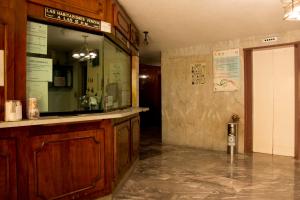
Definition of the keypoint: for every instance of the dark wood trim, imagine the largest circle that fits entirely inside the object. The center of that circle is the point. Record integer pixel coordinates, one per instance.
(248, 77)
(109, 151)
(248, 138)
(297, 100)
(37, 13)
(20, 54)
(7, 21)
(272, 46)
(122, 21)
(97, 11)
(2, 89)
(14, 21)
(2, 103)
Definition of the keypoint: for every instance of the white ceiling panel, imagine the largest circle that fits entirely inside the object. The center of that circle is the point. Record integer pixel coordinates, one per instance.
(182, 23)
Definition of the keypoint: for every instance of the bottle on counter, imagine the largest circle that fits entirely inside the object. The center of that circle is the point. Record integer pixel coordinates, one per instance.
(32, 109)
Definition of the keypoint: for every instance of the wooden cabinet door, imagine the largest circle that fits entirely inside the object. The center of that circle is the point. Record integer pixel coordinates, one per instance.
(8, 180)
(66, 165)
(91, 8)
(122, 149)
(135, 137)
(121, 21)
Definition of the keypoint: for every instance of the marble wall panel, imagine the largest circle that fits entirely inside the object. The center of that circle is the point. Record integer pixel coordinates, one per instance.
(195, 115)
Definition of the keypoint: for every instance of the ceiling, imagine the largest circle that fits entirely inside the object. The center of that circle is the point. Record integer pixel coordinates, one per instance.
(69, 40)
(183, 23)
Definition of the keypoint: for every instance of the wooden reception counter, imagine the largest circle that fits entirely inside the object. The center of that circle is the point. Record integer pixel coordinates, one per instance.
(67, 157)
(74, 157)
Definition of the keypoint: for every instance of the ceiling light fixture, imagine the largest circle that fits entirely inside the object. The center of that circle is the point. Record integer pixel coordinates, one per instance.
(84, 53)
(146, 42)
(291, 10)
(143, 76)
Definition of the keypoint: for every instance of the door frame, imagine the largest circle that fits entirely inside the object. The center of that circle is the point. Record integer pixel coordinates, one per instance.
(248, 96)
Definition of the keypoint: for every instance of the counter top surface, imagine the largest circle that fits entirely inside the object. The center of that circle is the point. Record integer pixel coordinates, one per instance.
(76, 118)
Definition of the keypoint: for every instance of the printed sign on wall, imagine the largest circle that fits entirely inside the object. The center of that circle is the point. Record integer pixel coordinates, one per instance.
(71, 18)
(198, 73)
(37, 36)
(39, 69)
(226, 66)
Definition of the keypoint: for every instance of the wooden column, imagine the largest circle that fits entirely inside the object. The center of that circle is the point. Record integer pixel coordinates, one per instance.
(135, 81)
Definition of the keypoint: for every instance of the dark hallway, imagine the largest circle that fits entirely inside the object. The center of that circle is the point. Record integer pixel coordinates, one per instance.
(150, 96)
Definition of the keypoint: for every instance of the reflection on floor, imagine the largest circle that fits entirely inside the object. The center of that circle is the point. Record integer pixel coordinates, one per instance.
(170, 172)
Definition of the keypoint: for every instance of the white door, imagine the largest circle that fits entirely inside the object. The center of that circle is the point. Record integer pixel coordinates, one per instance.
(273, 101)
(262, 101)
(284, 98)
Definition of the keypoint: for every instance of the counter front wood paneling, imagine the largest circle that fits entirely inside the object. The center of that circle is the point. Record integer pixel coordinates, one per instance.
(66, 161)
(77, 160)
(121, 149)
(126, 145)
(8, 179)
(135, 137)
(66, 164)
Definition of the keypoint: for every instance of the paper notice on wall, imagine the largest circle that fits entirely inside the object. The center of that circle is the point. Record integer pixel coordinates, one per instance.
(38, 90)
(126, 98)
(115, 73)
(37, 35)
(2, 68)
(38, 69)
(226, 66)
(110, 100)
(105, 27)
(198, 73)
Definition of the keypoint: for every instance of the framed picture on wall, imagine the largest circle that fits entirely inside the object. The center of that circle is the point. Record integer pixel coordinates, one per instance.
(63, 76)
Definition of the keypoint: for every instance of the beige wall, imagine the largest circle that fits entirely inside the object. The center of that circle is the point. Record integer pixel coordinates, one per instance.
(195, 115)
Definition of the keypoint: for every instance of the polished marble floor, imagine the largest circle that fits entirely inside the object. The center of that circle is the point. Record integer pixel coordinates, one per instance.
(171, 172)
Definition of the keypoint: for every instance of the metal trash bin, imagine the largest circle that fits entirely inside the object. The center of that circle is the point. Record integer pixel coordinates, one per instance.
(232, 136)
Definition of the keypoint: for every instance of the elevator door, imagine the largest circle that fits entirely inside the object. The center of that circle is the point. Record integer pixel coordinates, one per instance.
(273, 101)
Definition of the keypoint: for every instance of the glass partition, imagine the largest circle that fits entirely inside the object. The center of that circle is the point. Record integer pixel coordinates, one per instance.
(117, 77)
(70, 71)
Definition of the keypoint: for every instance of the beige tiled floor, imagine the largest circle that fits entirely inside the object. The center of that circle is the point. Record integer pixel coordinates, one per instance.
(170, 172)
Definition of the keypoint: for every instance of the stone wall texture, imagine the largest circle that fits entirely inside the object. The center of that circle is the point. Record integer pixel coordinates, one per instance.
(195, 115)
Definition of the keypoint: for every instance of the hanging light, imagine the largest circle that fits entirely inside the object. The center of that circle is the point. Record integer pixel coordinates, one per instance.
(84, 54)
(146, 42)
(291, 10)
